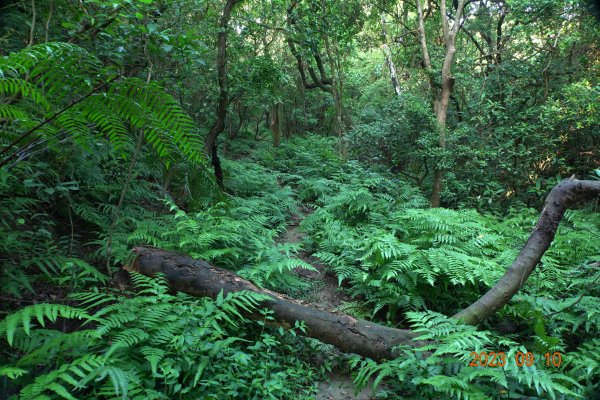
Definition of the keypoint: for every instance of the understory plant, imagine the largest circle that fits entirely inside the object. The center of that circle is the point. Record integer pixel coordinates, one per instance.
(150, 344)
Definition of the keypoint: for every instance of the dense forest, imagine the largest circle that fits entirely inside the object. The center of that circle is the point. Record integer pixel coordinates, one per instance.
(299, 199)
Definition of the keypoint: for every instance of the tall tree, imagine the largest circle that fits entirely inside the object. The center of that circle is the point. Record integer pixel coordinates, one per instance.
(387, 53)
(443, 90)
(314, 33)
(211, 144)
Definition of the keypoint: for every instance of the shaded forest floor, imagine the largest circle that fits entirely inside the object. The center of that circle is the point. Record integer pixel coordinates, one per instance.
(297, 220)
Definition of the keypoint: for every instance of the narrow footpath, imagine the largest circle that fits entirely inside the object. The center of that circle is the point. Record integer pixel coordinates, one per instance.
(324, 294)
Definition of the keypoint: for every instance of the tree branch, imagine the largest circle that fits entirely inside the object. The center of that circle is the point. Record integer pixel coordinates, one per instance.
(563, 196)
(198, 278)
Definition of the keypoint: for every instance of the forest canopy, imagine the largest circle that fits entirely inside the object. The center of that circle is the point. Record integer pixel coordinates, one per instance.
(299, 199)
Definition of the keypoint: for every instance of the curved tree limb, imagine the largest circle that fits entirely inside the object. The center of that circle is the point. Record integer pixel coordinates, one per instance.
(563, 196)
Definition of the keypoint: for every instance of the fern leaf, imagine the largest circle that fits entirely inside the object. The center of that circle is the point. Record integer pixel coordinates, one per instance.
(12, 372)
(42, 312)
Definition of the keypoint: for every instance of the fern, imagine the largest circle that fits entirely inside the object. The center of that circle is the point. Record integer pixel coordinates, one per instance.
(42, 312)
(12, 87)
(58, 94)
(452, 344)
(143, 344)
(41, 72)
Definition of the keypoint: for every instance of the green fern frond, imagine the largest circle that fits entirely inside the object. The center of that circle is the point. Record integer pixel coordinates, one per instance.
(153, 355)
(19, 87)
(41, 312)
(107, 123)
(74, 374)
(12, 372)
(165, 124)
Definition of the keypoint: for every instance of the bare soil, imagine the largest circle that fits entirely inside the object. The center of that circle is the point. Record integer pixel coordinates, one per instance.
(324, 294)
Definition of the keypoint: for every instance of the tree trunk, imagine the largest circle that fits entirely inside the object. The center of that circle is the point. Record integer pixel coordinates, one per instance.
(388, 58)
(342, 121)
(441, 94)
(198, 278)
(211, 144)
(353, 335)
(258, 124)
(275, 124)
(333, 84)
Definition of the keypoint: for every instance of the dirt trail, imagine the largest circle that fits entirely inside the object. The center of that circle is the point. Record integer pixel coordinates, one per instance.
(325, 292)
(326, 295)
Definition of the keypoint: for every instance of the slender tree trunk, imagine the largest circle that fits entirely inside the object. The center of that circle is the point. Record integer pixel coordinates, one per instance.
(32, 29)
(48, 20)
(304, 113)
(256, 130)
(388, 58)
(342, 120)
(422, 37)
(242, 117)
(211, 144)
(289, 121)
(441, 94)
(168, 175)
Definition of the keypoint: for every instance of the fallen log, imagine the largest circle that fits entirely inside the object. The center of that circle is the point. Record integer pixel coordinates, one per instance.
(198, 278)
(368, 339)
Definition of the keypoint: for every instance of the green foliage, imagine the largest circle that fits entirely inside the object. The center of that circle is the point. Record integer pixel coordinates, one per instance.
(446, 371)
(399, 134)
(100, 158)
(238, 234)
(152, 344)
(375, 234)
(40, 74)
(52, 96)
(394, 255)
(33, 239)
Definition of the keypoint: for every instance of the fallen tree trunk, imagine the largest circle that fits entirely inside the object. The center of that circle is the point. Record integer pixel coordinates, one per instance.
(198, 278)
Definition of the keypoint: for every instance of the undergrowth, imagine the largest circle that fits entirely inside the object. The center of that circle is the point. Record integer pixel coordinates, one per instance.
(152, 344)
(402, 264)
(393, 255)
